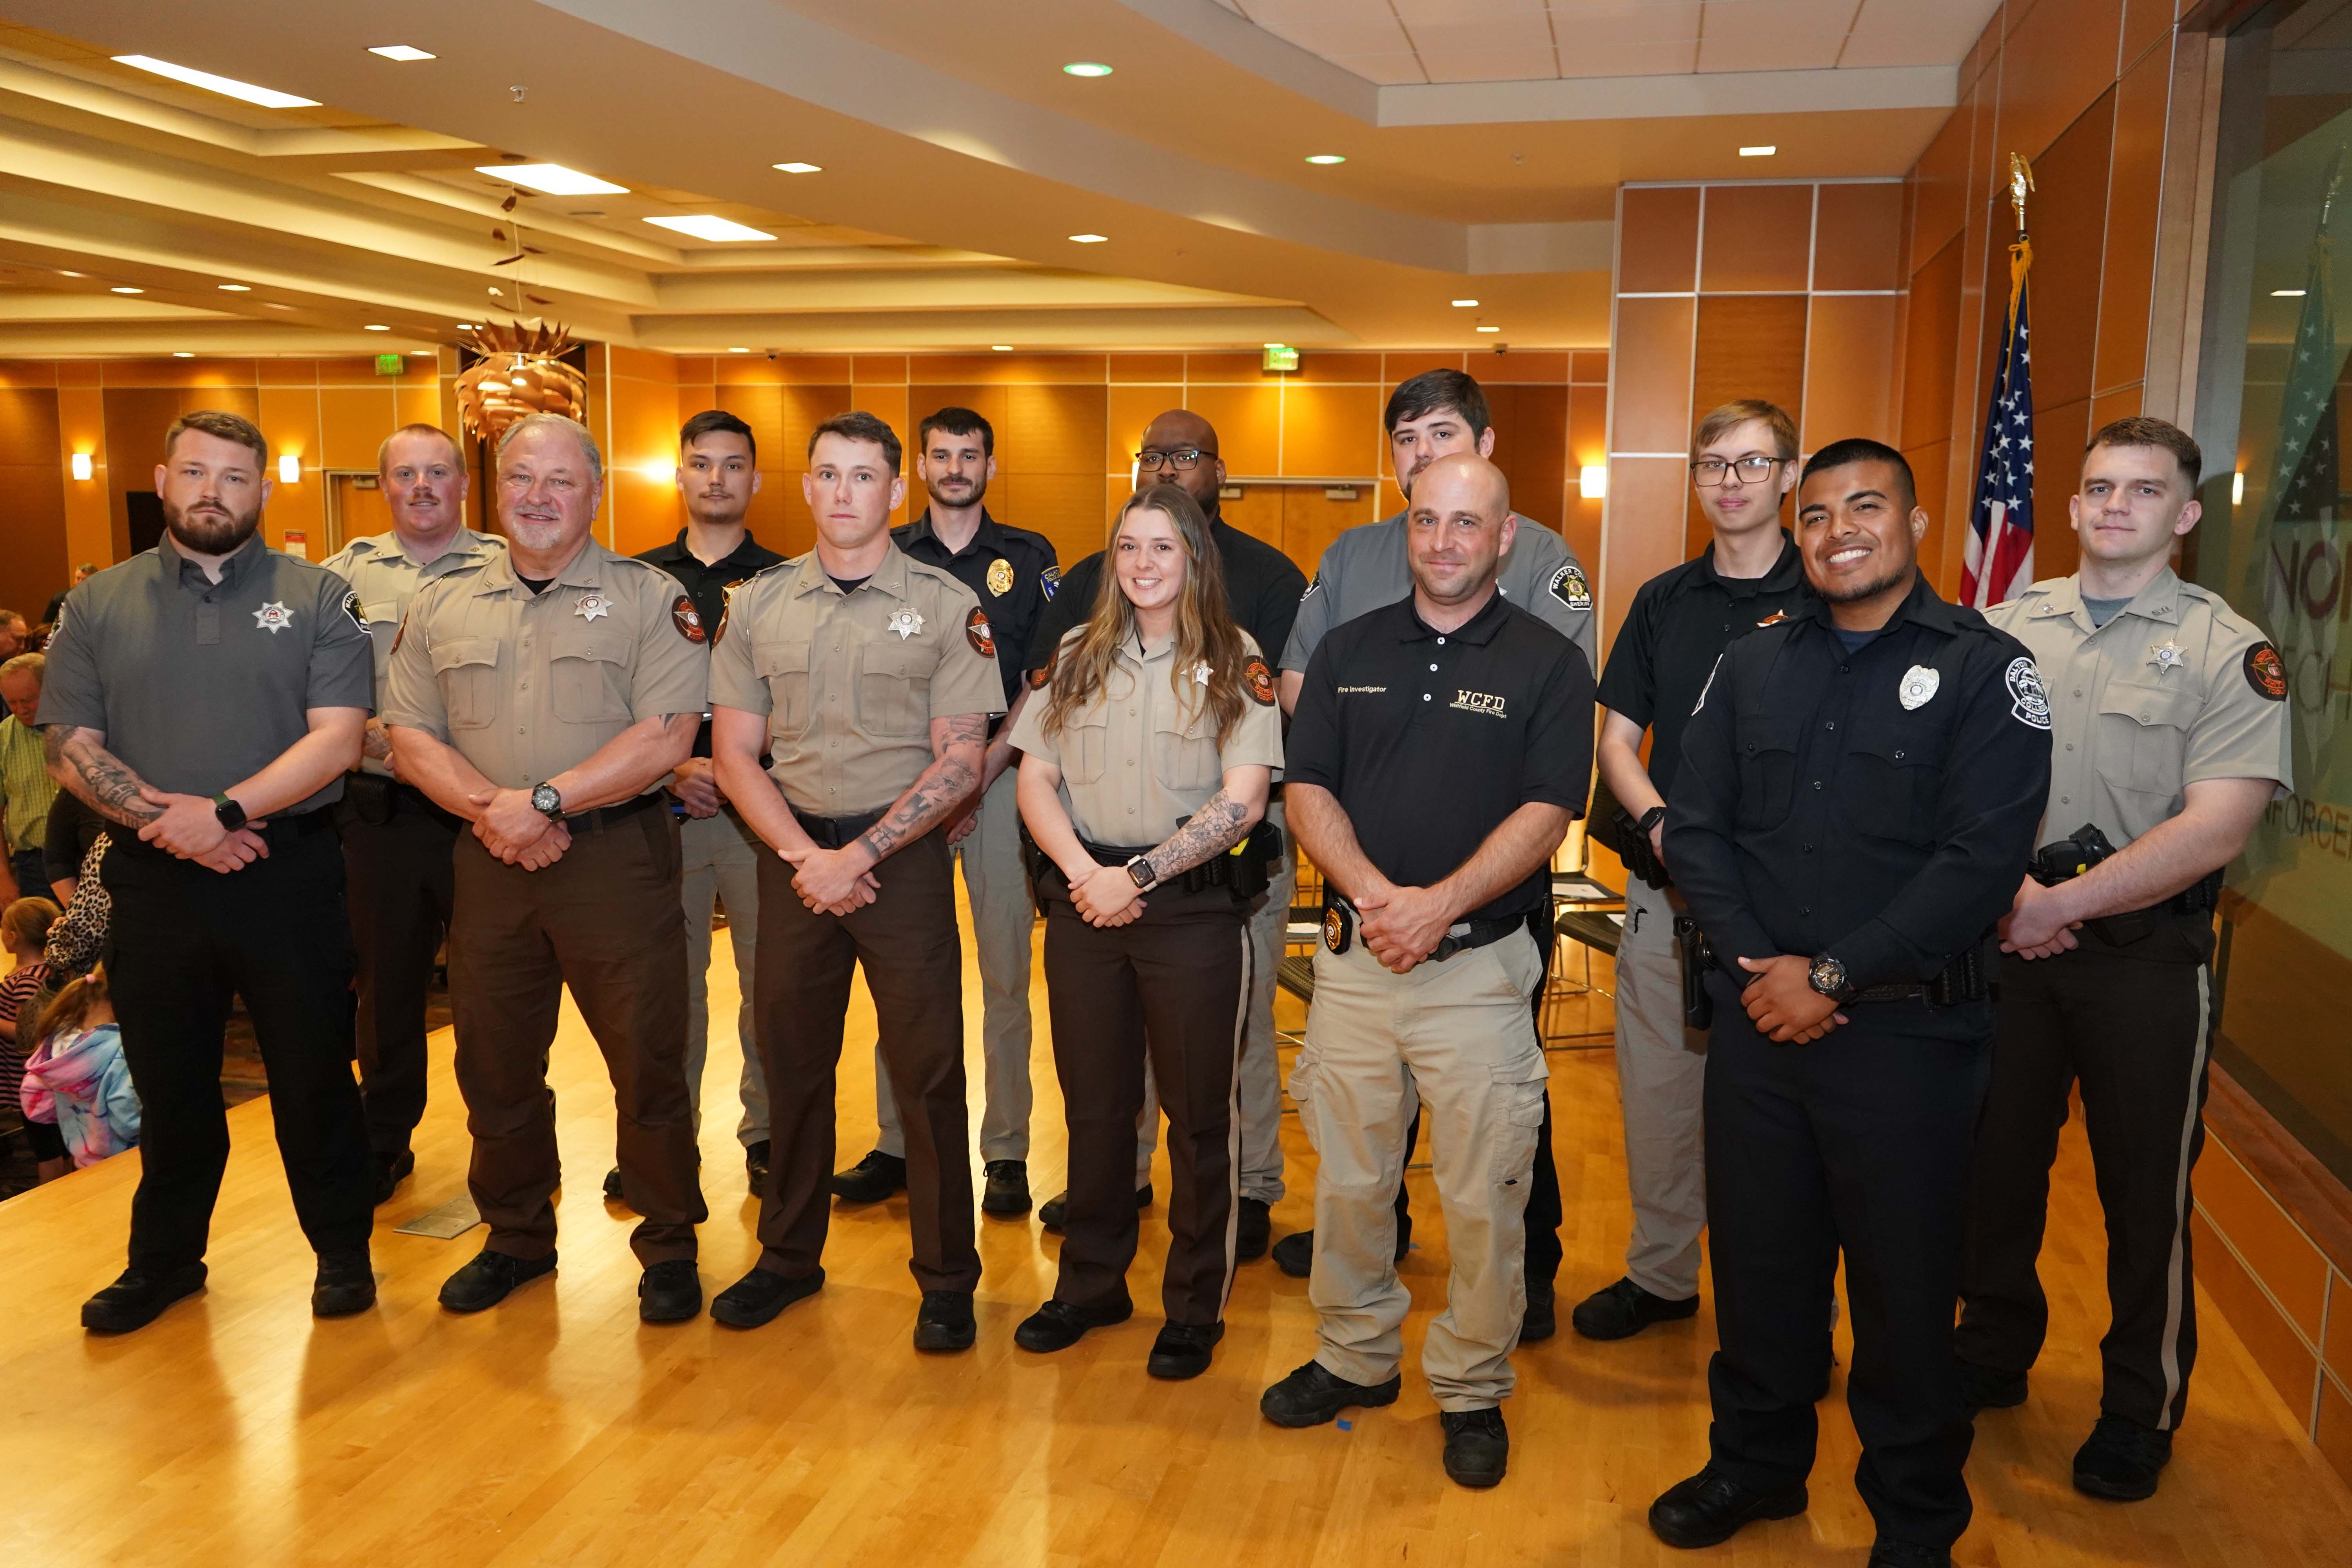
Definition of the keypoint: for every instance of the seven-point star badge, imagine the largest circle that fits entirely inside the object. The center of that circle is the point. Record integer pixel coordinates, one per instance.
(2164, 655)
(905, 622)
(273, 618)
(591, 605)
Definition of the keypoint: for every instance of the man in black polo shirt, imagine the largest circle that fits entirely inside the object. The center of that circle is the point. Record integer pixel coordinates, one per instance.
(1440, 749)
(1743, 461)
(1011, 571)
(718, 475)
(1262, 588)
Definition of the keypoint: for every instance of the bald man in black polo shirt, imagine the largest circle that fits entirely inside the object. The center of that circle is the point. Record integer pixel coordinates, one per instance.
(1440, 749)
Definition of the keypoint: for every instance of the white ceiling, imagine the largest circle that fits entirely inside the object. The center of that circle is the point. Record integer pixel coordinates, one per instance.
(1397, 43)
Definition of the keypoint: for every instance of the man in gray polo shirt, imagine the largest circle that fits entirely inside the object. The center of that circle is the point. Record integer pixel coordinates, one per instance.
(1431, 416)
(207, 696)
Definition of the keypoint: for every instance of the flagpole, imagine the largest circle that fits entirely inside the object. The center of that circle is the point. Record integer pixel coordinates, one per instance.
(1999, 554)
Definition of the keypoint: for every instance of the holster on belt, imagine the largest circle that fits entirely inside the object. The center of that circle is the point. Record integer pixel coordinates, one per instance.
(1698, 957)
(370, 798)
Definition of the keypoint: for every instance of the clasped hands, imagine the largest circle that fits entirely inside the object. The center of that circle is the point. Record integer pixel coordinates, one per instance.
(2037, 925)
(1401, 927)
(834, 881)
(1783, 1004)
(1105, 897)
(189, 830)
(511, 828)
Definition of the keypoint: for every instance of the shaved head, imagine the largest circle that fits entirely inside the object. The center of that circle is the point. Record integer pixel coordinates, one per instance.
(1181, 429)
(1464, 482)
(1457, 531)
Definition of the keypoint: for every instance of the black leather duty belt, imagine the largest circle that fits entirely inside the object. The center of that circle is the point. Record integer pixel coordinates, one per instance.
(835, 832)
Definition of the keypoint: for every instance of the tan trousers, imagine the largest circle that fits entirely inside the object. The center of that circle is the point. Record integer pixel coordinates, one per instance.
(1459, 1036)
(1660, 1082)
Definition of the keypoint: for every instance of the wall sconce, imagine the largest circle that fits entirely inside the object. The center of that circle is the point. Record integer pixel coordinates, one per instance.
(1593, 481)
(2237, 487)
(82, 466)
(659, 472)
(290, 469)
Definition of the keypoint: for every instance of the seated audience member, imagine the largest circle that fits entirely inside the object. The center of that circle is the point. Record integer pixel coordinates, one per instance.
(76, 1080)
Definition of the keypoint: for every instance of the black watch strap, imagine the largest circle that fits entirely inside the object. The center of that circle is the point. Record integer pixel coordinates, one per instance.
(227, 812)
(1651, 818)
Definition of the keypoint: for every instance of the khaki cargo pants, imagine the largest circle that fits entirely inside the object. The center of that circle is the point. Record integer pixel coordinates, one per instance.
(1458, 1037)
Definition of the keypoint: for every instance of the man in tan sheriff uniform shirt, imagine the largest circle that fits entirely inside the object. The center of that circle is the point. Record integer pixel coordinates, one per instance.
(544, 697)
(869, 678)
(396, 843)
(2169, 733)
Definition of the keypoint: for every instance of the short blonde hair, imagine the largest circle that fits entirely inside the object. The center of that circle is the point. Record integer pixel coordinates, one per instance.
(1722, 421)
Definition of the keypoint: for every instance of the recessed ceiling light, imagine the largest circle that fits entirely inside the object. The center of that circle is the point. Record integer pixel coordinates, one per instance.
(1090, 238)
(1085, 67)
(1490, 329)
(182, 353)
(65, 272)
(1764, 151)
(799, 168)
(706, 226)
(2286, 293)
(402, 52)
(227, 86)
(464, 326)
(415, 352)
(125, 289)
(274, 305)
(236, 288)
(1000, 348)
(739, 351)
(552, 178)
(1326, 158)
(1465, 304)
(373, 327)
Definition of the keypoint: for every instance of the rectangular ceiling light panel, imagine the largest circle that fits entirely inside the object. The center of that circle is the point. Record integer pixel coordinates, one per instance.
(705, 226)
(554, 179)
(227, 86)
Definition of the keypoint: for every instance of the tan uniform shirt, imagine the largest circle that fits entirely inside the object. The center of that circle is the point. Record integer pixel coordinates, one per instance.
(528, 685)
(1140, 756)
(386, 578)
(849, 683)
(2176, 688)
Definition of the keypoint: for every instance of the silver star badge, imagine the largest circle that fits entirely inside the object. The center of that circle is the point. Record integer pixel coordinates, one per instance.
(2164, 655)
(273, 618)
(905, 622)
(591, 605)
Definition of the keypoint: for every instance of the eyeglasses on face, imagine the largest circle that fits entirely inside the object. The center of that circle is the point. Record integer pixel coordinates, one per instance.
(1184, 459)
(1707, 472)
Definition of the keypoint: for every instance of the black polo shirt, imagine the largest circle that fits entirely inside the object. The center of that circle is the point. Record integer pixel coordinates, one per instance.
(1878, 805)
(1681, 620)
(1012, 595)
(708, 585)
(1262, 587)
(1429, 739)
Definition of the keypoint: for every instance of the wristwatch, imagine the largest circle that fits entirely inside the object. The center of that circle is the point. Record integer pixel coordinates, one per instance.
(230, 814)
(1828, 977)
(1140, 869)
(547, 802)
(1650, 819)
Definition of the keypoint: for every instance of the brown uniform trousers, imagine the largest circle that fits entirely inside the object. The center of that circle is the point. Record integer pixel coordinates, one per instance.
(604, 920)
(913, 958)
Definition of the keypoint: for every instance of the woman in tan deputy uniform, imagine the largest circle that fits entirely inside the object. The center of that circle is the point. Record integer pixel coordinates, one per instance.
(1147, 760)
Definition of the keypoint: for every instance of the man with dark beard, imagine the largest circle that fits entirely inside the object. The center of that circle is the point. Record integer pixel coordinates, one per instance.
(208, 696)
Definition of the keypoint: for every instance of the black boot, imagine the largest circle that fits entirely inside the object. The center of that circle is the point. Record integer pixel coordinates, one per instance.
(1620, 1312)
(1478, 1447)
(1182, 1351)
(1710, 1507)
(1058, 1325)
(1311, 1396)
(669, 1292)
(758, 1296)
(871, 1180)
(138, 1298)
(346, 1283)
(944, 1322)
(1251, 1231)
(1005, 1188)
(2122, 1459)
(489, 1279)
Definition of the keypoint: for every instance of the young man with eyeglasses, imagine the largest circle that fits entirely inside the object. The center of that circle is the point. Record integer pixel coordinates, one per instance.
(1743, 465)
(1263, 589)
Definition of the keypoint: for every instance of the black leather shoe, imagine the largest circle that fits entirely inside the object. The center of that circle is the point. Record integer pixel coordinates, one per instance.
(944, 1323)
(346, 1283)
(389, 1173)
(2121, 1460)
(1709, 1507)
(1478, 1447)
(1251, 1231)
(1620, 1312)
(1182, 1349)
(755, 1162)
(137, 1297)
(871, 1180)
(669, 1292)
(1058, 1325)
(1886, 1553)
(1539, 1323)
(1983, 1388)
(1005, 1188)
(613, 1192)
(1055, 1209)
(758, 1296)
(1310, 1396)
(489, 1279)
(1294, 1254)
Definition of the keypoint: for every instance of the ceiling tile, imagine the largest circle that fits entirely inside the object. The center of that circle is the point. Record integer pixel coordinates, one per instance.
(1265, 13)
(1587, 25)
(1916, 32)
(1343, 35)
(1517, 65)
(1414, 12)
(1662, 58)
(1526, 33)
(1385, 70)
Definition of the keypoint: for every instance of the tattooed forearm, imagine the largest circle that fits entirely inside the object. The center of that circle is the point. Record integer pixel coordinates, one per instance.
(1212, 830)
(79, 761)
(376, 742)
(953, 774)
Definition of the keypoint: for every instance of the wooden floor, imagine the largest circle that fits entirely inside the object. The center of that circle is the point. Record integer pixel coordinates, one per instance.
(558, 1430)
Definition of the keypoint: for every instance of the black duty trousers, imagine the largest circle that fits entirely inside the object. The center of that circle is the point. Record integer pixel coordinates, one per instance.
(913, 957)
(1860, 1143)
(184, 941)
(2133, 1026)
(402, 887)
(1174, 985)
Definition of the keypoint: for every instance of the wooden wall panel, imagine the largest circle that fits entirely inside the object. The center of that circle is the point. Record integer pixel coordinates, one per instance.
(81, 427)
(1649, 400)
(2068, 222)
(1858, 236)
(1755, 237)
(1931, 338)
(33, 563)
(1657, 242)
(1851, 350)
(1644, 535)
(2057, 61)
(1531, 448)
(1939, 184)
(1334, 430)
(2135, 186)
(1748, 346)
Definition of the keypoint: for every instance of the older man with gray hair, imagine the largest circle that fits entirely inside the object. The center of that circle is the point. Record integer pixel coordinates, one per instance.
(543, 697)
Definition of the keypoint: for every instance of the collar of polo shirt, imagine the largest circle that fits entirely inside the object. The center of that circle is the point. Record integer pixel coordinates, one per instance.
(1478, 629)
(233, 566)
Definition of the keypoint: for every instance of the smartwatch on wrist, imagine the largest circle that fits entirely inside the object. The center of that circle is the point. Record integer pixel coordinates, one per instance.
(547, 802)
(1828, 977)
(1140, 870)
(227, 812)
(1650, 819)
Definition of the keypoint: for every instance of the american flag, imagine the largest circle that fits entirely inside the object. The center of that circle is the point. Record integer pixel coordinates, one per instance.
(1999, 560)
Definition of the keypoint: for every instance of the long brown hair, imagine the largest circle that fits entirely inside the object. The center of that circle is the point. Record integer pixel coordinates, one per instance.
(70, 1008)
(1205, 632)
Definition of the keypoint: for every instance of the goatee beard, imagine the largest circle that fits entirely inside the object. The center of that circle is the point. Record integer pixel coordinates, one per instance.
(979, 489)
(210, 532)
(1848, 596)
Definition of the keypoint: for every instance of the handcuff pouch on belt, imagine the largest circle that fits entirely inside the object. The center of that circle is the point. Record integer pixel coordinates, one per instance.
(370, 796)
(2085, 848)
(1339, 921)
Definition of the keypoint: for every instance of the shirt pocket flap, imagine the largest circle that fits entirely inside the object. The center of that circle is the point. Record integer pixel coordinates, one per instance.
(1758, 732)
(2154, 703)
(456, 653)
(386, 611)
(589, 645)
(900, 658)
(774, 658)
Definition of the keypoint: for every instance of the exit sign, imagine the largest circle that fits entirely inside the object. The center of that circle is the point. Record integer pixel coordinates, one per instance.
(390, 364)
(1281, 357)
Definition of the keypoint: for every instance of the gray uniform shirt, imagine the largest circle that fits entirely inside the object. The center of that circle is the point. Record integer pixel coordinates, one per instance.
(1365, 569)
(386, 578)
(199, 685)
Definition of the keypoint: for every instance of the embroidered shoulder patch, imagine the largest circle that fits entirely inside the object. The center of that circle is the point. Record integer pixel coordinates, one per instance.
(351, 609)
(1050, 581)
(2266, 672)
(1042, 676)
(1568, 585)
(687, 620)
(1260, 681)
(976, 632)
(2029, 704)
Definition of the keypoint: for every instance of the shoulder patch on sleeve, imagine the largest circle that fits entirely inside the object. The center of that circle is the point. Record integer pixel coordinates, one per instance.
(1712, 671)
(1312, 583)
(977, 633)
(1568, 585)
(1259, 681)
(400, 636)
(351, 609)
(2029, 704)
(726, 608)
(1050, 581)
(2266, 672)
(688, 619)
(1042, 676)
